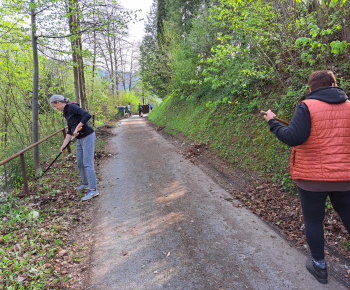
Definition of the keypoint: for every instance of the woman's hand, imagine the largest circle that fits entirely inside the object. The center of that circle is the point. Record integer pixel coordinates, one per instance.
(77, 129)
(63, 147)
(65, 142)
(269, 115)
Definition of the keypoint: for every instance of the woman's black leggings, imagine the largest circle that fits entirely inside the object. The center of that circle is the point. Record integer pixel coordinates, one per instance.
(313, 206)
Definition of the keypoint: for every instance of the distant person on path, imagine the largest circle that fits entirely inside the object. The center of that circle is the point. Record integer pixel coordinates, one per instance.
(129, 110)
(78, 118)
(150, 107)
(319, 134)
(140, 110)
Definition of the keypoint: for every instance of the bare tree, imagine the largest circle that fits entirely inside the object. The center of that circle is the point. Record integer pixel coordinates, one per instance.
(35, 103)
(76, 43)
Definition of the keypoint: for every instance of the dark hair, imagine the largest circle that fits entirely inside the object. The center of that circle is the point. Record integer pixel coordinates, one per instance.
(321, 78)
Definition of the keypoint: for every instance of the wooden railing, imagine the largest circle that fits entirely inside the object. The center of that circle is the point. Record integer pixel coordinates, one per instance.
(21, 155)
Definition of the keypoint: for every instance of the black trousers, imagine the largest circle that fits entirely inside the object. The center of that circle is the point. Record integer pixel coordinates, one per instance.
(313, 206)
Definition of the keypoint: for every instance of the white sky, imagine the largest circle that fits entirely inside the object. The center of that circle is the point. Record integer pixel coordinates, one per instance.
(137, 29)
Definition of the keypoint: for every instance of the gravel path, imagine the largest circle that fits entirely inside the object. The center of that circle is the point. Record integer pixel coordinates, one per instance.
(162, 223)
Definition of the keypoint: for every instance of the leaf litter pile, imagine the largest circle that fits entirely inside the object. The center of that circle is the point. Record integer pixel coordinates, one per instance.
(45, 240)
(194, 150)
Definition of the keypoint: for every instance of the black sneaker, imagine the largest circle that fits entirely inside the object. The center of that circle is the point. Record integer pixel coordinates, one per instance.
(321, 275)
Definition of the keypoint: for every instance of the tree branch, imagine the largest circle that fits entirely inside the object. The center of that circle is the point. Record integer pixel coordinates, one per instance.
(36, 13)
(65, 36)
(50, 57)
(67, 52)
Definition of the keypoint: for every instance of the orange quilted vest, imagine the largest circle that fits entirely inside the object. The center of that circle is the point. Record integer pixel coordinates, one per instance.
(325, 156)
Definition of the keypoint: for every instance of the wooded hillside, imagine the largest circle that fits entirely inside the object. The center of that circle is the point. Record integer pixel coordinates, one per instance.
(78, 49)
(218, 63)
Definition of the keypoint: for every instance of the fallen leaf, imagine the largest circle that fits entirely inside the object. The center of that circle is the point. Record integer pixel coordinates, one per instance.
(61, 253)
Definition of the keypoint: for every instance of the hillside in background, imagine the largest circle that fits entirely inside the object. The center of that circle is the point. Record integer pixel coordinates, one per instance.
(216, 64)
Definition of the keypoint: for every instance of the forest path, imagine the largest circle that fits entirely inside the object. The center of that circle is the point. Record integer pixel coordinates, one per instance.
(161, 223)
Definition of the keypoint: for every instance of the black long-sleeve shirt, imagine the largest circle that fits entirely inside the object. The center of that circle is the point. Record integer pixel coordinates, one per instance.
(299, 128)
(74, 115)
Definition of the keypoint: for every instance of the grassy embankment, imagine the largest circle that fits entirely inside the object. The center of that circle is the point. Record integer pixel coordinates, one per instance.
(239, 134)
(235, 130)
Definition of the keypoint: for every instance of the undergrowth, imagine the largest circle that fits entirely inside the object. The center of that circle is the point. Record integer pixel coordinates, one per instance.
(235, 130)
(38, 232)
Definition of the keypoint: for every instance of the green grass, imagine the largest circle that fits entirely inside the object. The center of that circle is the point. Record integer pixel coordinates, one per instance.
(22, 252)
(29, 246)
(235, 131)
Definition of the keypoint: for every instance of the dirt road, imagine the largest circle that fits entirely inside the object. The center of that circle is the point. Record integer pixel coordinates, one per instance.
(162, 223)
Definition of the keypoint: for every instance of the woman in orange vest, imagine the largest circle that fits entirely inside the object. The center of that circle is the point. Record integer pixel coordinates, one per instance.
(319, 164)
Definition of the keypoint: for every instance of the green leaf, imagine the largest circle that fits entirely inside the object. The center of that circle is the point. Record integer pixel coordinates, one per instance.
(333, 3)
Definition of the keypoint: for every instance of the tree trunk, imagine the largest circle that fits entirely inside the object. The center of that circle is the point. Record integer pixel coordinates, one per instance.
(131, 68)
(72, 29)
(35, 104)
(82, 87)
(110, 52)
(93, 67)
(78, 63)
(4, 138)
(122, 68)
(116, 70)
(346, 28)
(75, 72)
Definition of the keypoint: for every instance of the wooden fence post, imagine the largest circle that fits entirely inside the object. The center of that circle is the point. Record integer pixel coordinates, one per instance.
(24, 174)
(6, 181)
(64, 137)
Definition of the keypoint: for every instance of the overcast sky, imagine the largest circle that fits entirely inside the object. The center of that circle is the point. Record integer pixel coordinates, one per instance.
(136, 30)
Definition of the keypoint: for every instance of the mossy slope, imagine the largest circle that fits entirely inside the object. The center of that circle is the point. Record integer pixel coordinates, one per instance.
(234, 130)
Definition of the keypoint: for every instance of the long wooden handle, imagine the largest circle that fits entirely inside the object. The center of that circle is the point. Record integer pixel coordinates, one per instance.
(277, 119)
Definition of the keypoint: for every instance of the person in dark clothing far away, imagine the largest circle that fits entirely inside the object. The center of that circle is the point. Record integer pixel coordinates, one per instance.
(319, 133)
(140, 110)
(77, 120)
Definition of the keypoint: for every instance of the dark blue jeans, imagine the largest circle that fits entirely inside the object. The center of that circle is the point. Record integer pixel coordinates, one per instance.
(313, 206)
